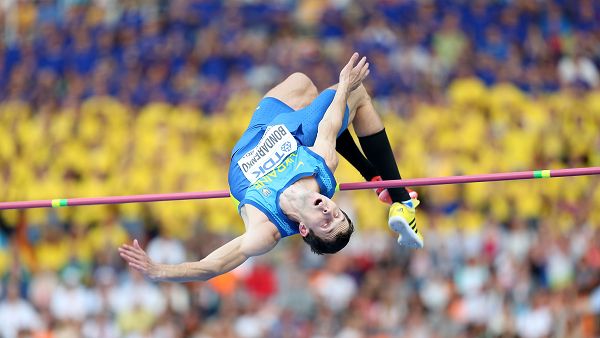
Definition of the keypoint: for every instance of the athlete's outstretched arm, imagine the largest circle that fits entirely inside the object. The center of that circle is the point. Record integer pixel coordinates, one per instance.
(351, 77)
(220, 261)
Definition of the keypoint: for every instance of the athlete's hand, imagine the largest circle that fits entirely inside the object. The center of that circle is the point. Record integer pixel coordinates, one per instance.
(139, 260)
(353, 75)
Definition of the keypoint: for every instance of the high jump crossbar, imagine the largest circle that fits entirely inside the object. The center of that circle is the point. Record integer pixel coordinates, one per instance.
(509, 176)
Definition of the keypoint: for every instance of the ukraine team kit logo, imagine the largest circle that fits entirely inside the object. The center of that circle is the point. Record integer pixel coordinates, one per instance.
(272, 149)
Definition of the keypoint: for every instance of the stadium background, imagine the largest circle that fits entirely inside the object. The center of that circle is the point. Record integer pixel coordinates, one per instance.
(114, 97)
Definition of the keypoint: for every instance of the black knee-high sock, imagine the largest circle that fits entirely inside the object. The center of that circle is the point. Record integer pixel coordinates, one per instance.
(346, 147)
(379, 152)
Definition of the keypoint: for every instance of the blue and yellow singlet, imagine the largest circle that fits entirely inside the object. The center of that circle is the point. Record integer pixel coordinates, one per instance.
(263, 190)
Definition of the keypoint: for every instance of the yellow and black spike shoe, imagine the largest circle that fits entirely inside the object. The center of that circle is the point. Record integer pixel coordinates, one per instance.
(403, 221)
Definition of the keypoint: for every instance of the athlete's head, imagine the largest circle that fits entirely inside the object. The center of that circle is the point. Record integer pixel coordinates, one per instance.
(323, 225)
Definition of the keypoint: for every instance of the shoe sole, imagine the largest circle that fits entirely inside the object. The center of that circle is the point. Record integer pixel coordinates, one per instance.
(407, 237)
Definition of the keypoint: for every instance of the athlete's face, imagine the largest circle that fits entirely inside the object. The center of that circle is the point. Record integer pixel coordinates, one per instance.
(322, 216)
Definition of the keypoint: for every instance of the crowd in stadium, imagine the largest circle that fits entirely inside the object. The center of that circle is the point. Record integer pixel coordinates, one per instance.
(128, 97)
(199, 52)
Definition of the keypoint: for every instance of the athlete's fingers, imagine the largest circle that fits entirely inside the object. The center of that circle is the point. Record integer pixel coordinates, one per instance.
(347, 68)
(129, 260)
(123, 249)
(135, 247)
(133, 253)
(361, 63)
(129, 248)
(352, 61)
(130, 257)
(138, 267)
(364, 71)
(137, 255)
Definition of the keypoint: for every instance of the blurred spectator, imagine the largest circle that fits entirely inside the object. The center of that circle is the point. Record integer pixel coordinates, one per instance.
(335, 287)
(136, 321)
(136, 297)
(449, 42)
(165, 249)
(16, 314)
(578, 68)
(537, 321)
(71, 301)
(101, 325)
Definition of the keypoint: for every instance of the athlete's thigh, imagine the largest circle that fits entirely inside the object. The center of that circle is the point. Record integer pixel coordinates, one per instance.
(293, 93)
(354, 100)
(268, 108)
(304, 123)
(365, 119)
(296, 91)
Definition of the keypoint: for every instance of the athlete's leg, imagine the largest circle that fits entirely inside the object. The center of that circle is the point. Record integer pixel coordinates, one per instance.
(346, 146)
(374, 141)
(364, 117)
(296, 91)
(376, 146)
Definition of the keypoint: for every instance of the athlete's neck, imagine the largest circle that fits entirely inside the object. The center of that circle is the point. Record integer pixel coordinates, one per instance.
(296, 196)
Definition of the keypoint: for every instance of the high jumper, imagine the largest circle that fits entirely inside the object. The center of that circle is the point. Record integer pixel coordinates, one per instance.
(281, 172)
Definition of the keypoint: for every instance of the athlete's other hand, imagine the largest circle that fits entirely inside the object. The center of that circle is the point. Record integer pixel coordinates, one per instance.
(353, 75)
(139, 260)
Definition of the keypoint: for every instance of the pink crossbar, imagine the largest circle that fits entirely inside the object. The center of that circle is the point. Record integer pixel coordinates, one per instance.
(522, 175)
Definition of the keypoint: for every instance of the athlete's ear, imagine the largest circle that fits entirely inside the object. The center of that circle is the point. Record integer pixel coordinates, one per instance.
(303, 229)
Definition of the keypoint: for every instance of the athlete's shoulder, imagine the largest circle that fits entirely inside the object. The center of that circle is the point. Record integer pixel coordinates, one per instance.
(255, 221)
(328, 154)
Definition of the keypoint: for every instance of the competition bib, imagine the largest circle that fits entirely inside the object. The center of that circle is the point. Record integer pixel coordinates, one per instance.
(275, 145)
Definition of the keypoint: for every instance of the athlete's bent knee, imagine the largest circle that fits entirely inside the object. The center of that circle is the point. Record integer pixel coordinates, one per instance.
(300, 79)
(307, 88)
(361, 95)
